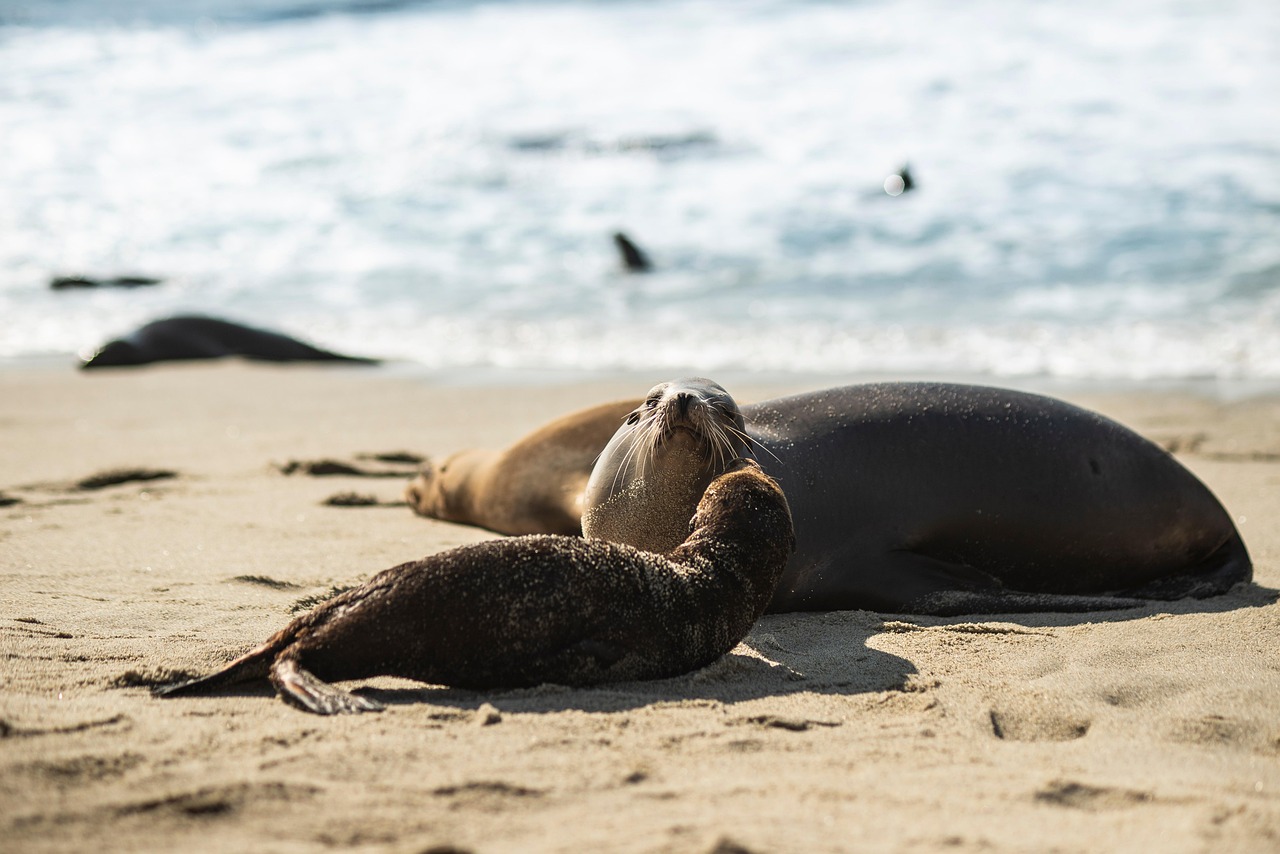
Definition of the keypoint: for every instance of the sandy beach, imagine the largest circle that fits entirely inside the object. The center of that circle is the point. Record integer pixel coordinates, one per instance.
(1155, 729)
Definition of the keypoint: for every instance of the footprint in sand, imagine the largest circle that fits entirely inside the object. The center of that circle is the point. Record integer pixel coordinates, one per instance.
(221, 799)
(117, 477)
(266, 581)
(356, 499)
(1027, 719)
(1066, 793)
(394, 464)
(92, 483)
(1222, 731)
(485, 795)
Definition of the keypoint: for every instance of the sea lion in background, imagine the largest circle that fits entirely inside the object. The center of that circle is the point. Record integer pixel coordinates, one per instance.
(632, 258)
(517, 612)
(195, 337)
(62, 283)
(935, 498)
(533, 487)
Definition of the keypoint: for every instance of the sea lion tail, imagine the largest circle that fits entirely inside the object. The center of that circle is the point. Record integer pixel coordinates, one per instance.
(250, 667)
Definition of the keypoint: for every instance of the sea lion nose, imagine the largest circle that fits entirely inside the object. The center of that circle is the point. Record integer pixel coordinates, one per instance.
(682, 401)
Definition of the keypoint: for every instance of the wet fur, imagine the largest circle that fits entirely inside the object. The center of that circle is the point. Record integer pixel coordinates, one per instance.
(526, 610)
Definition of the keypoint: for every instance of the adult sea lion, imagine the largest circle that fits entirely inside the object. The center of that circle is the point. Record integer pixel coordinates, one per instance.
(517, 612)
(196, 337)
(932, 498)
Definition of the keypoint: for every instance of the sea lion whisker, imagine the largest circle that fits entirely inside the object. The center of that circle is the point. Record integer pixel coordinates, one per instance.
(638, 454)
(725, 434)
(751, 443)
(624, 466)
(719, 446)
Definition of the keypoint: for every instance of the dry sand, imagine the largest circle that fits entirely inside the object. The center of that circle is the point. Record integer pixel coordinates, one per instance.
(1149, 730)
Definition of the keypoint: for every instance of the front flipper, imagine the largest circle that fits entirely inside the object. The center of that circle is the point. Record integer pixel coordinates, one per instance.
(906, 582)
(943, 589)
(952, 603)
(586, 661)
(302, 689)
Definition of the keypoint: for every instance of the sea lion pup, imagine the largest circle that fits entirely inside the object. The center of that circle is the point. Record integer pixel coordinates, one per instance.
(517, 612)
(930, 498)
(533, 487)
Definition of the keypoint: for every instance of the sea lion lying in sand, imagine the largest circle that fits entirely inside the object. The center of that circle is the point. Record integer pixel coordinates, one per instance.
(923, 498)
(526, 610)
(193, 337)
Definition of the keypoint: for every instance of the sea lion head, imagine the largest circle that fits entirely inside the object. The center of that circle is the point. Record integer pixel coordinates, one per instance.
(743, 510)
(116, 353)
(445, 490)
(648, 480)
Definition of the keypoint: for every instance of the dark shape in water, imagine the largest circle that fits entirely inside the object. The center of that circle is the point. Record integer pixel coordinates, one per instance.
(908, 183)
(63, 283)
(195, 337)
(632, 257)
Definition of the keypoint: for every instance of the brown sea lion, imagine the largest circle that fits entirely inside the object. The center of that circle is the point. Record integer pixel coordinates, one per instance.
(533, 487)
(517, 612)
(931, 498)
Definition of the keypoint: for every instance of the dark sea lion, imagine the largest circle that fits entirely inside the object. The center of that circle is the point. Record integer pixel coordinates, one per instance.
(517, 612)
(632, 257)
(62, 283)
(195, 337)
(935, 498)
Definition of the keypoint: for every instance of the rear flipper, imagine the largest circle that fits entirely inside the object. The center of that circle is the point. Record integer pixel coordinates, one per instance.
(1226, 567)
(974, 592)
(302, 689)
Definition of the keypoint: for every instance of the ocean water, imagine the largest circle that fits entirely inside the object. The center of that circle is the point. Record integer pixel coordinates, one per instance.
(1097, 182)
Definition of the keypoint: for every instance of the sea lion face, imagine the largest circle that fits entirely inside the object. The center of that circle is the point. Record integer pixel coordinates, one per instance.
(116, 353)
(443, 491)
(648, 480)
